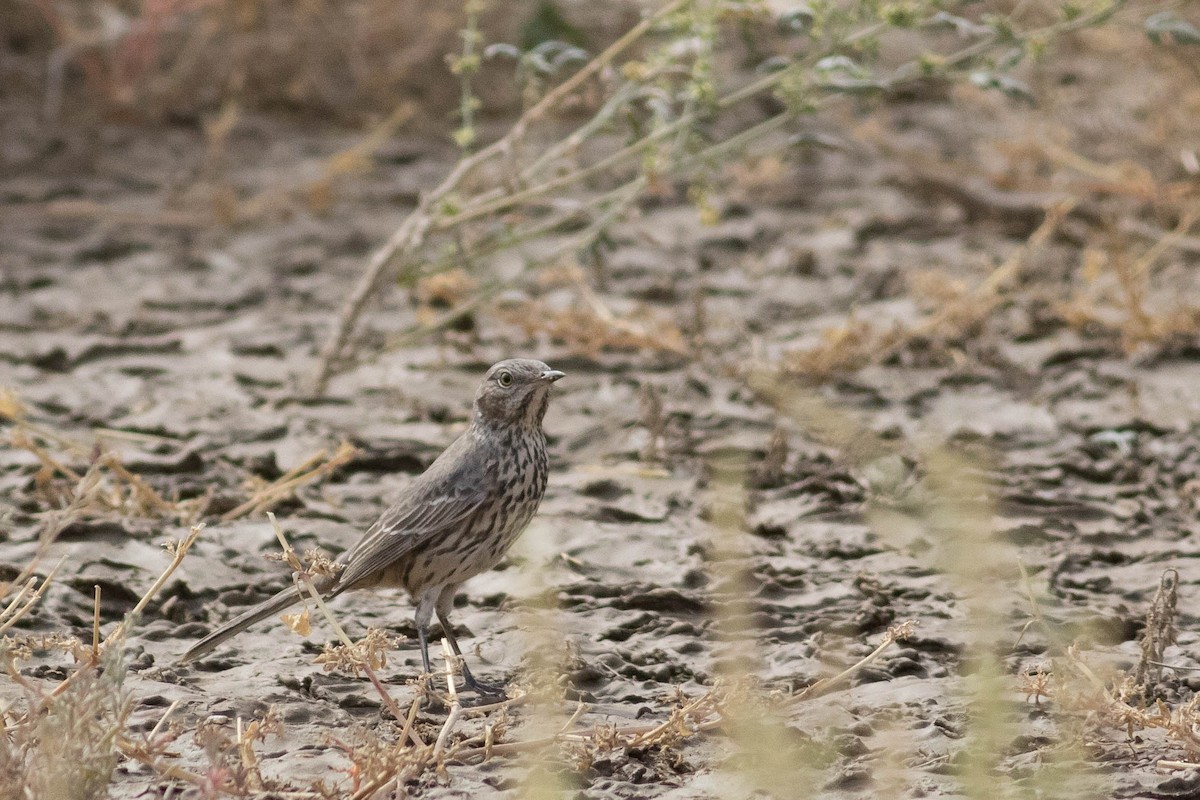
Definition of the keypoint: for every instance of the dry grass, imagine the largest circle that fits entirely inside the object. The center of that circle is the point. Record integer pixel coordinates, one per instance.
(266, 495)
(64, 741)
(65, 745)
(1111, 300)
(954, 313)
(1158, 635)
(1113, 296)
(188, 58)
(79, 480)
(103, 487)
(590, 330)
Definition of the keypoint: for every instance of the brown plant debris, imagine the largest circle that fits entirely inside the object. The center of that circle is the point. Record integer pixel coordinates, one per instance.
(1158, 635)
(265, 496)
(590, 330)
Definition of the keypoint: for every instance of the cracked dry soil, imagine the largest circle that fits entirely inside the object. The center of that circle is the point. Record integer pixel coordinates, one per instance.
(192, 337)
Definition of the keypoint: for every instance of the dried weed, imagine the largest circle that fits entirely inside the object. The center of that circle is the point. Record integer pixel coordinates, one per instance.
(1158, 635)
(1126, 701)
(65, 744)
(147, 60)
(955, 313)
(265, 496)
(592, 329)
(1113, 297)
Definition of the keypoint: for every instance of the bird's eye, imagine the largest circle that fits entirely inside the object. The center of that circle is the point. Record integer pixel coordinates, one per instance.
(504, 378)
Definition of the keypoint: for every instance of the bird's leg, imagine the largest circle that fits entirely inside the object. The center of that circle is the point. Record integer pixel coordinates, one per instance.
(432, 701)
(423, 615)
(488, 690)
(423, 638)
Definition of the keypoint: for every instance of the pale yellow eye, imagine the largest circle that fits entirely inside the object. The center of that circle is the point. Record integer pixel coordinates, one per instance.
(504, 378)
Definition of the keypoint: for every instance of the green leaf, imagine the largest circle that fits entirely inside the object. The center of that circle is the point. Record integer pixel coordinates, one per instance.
(1014, 88)
(501, 49)
(841, 65)
(1168, 25)
(1011, 58)
(798, 21)
(550, 57)
(773, 64)
(464, 137)
(961, 25)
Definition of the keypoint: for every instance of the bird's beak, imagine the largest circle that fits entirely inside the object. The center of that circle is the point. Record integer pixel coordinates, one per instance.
(551, 375)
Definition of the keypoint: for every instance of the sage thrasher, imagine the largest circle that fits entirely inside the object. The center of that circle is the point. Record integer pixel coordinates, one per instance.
(454, 521)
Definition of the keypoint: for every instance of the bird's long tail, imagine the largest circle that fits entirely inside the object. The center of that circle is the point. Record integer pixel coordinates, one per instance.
(267, 608)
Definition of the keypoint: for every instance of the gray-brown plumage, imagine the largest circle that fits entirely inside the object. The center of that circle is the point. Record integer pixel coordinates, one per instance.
(455, 520)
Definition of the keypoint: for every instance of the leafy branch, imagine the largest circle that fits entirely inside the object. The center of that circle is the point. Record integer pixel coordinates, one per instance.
(654, 122)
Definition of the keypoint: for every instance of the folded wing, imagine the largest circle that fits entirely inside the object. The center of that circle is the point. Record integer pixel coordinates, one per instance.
(418, 518)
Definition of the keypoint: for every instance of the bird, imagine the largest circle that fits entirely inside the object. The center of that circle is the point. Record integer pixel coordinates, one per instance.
(454, 521)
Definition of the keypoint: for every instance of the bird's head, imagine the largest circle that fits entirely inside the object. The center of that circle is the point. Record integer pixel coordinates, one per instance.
(515, 392)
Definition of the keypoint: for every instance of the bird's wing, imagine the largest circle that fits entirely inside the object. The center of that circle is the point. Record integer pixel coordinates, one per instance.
(426, 512)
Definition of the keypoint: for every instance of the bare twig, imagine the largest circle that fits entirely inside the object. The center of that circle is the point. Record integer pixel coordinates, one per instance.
(163, 720)
(282, 488)
(178, 551)
(894, 634)
(12, 613)
(439, 747)
(96, 626)
(137, 752)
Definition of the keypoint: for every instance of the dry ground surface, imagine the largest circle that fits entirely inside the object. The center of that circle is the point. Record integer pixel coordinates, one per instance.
(131, 323)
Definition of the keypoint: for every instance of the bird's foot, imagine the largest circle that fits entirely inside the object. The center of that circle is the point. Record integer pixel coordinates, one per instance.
(485, 693)
(434, 702)
(481, 699)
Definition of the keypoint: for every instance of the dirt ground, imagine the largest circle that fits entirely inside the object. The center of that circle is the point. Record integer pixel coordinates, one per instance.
(124, 309)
